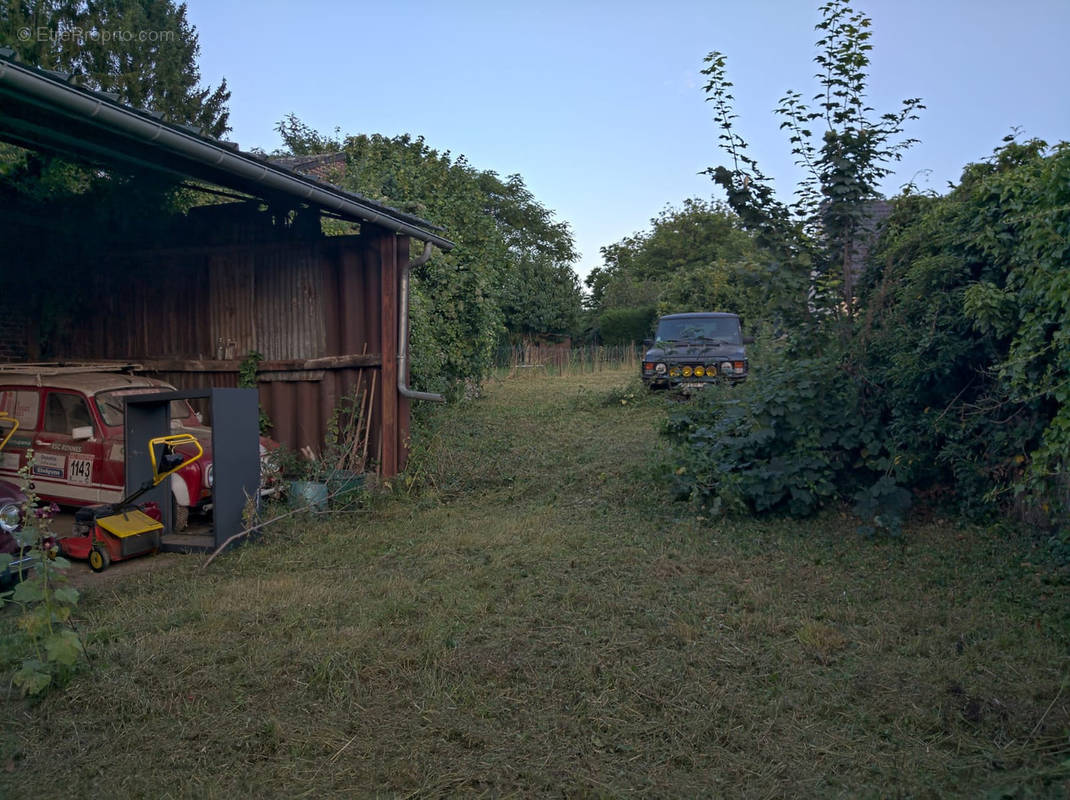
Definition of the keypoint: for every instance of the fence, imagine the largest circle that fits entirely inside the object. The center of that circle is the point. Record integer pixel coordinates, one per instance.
(557, 360)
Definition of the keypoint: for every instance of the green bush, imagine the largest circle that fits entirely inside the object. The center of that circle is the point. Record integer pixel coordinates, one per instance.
(626, 325)
(951, 383)
(791, 439)
(964, 341)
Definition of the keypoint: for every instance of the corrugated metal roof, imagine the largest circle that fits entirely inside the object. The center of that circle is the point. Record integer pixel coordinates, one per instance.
(40, 110)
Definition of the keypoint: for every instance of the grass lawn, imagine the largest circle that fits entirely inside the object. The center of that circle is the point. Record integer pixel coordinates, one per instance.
(534, 616)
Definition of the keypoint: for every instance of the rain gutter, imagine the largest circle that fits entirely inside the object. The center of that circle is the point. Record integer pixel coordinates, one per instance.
(83, 104)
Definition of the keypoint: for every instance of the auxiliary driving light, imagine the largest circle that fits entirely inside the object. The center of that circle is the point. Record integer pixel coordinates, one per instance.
(687, 372)
(699, 371)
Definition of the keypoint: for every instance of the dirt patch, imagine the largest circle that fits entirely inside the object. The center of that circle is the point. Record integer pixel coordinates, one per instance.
(82, 577)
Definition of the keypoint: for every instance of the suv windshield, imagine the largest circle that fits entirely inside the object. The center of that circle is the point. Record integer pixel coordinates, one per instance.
(722, 329)
(111, 404)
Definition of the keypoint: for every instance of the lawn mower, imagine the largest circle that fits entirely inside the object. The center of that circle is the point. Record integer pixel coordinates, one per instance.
(122, 530)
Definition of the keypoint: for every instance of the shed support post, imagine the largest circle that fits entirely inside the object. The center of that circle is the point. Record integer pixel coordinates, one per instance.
(388, 261)
(404, 404)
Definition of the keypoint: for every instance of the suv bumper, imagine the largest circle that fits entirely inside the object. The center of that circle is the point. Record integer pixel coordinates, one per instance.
(657, 382)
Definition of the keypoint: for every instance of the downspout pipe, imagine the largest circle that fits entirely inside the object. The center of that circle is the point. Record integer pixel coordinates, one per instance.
(403, 332)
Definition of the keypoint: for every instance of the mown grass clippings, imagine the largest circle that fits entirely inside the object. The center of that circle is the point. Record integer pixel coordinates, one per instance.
(534, 616)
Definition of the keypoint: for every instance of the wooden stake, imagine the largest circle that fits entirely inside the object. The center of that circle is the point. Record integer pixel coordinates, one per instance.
(368, 428)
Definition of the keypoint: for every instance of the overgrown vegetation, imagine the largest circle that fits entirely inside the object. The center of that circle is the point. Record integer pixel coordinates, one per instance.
(509, 277)
(42, 648)
(533, 616)
(943, 372)
(697, 257)
(753, 448)
(974, 400)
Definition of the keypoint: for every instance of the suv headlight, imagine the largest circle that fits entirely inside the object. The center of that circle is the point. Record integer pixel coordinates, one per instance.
(10, 517)
(659, 368)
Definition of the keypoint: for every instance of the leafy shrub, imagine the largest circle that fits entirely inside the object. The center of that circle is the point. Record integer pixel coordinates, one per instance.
(44, 648)
(791, 439)
(964, 343)
(952, 384)
(625, 325)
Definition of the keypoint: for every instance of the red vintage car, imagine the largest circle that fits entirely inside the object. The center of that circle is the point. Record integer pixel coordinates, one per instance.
(73, 421)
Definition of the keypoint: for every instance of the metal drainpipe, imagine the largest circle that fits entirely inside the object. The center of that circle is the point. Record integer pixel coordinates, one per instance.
(403, 333)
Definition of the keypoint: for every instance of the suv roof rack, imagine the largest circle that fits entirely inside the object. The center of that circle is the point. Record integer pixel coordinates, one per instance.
(45, 368)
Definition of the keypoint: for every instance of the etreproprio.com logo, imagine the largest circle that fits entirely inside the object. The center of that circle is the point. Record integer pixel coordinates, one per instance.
(83, 36)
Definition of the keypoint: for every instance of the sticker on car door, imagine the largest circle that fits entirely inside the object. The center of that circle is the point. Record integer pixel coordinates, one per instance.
(49, 465)
(80, 469)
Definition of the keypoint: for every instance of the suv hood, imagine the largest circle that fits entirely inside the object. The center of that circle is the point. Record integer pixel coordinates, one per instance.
(697, 351)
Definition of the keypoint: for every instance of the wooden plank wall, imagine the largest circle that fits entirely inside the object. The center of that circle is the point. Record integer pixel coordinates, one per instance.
(198, 311)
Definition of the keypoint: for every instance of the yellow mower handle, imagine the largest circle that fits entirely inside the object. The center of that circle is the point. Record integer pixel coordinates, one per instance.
(5, 417)
(171, 442)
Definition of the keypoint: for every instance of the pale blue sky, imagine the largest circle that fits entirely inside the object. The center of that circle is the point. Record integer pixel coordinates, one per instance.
(599, 106)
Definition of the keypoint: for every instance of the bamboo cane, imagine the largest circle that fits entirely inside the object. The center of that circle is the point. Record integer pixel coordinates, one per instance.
(368, 427)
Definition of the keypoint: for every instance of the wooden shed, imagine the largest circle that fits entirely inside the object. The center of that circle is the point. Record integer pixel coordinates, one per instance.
(257, 275)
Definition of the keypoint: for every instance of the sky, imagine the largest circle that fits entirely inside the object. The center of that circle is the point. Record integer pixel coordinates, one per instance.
(599, 105)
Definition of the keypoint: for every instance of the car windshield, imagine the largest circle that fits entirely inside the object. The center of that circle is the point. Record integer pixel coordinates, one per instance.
(722, 329)
(110, 404)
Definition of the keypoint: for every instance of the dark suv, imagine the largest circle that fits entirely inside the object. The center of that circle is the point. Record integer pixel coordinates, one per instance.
(692, 350)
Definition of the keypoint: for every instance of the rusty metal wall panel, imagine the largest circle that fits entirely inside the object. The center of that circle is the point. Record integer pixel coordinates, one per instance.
(354, 334)
(291, 300)
(369, 298)
(232, 292)
(301, 410)
(157, 312)
(288, 301)
(331, 263)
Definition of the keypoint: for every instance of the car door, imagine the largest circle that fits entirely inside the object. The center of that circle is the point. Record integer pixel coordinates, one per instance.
(23, 403)
(69, 452)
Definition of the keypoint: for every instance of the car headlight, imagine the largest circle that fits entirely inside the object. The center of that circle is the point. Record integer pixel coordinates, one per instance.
(10, 517)
(660, 369)
(209, 475)
(726, 368)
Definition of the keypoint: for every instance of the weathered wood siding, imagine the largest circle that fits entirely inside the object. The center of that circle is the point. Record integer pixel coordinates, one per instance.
(202, 309)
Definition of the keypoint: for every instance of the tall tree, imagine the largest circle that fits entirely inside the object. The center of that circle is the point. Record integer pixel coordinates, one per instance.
(143, 50)
(844, 149)
(696, 257)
